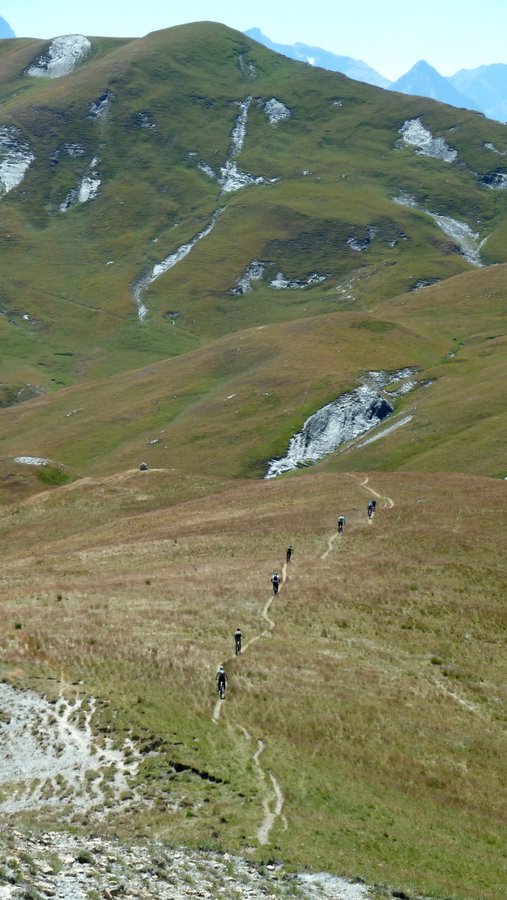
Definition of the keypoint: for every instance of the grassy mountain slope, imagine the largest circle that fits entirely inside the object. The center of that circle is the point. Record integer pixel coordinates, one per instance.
(234, 403)
(231, 405)
(174, 99)
(376, 678)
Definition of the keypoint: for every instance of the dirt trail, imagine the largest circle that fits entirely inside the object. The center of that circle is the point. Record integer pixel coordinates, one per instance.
(217, 709)
(388, 501)
(271, 813)
(330, 542)
(272, 801)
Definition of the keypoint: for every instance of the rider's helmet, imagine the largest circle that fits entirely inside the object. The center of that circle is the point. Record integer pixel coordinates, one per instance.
(222, 669)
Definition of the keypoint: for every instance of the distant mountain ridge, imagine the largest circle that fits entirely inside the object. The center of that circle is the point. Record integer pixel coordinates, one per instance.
(423, 80)
(5, 29)
(483, 89)
(316, 56)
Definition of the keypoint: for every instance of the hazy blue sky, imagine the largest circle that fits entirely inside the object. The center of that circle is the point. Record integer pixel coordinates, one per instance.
(390, 35)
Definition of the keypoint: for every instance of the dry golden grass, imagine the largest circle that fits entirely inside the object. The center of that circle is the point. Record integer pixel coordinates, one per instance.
(380, 691)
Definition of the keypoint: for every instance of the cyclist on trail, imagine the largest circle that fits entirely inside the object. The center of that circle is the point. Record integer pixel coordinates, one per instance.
(237, 640)
(371, 508)
(221, 679)
(289, 553)
(275, 581)
(341, 524)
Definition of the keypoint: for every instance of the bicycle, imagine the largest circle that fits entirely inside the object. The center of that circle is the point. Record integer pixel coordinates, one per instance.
(221, 682)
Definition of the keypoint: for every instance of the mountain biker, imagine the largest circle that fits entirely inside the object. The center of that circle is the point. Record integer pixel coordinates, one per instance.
(341, 524)
(221, 679)
(371, 508)
(289, 553)
(275, 581)
(237, 640)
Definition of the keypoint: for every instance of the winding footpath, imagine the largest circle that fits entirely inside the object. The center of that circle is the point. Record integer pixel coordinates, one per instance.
(389, 503)
(272, 798)
(272, 795)
(330, 544)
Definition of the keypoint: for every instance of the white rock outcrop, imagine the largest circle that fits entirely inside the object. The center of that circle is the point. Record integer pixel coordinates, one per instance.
(63, 55)
(468, 241)
(414, 134)
(276, 111)
(15, 158)
(87, 188)
(342, 420)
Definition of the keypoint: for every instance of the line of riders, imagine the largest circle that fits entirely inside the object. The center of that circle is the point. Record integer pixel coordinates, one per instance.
(221, 676)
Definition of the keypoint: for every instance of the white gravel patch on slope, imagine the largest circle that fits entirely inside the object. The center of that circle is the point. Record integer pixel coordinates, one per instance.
(15, 158)
(50, 757)
(414, 134)
(63, 55)
(468, 241)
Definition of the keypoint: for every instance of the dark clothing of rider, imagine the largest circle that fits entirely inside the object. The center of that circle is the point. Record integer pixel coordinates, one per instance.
(221, 678)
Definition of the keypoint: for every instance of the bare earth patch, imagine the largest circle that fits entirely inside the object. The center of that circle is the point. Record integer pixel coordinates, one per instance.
(49, 756)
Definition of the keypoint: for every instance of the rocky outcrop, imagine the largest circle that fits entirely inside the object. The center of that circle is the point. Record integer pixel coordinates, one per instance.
(342, 420)
(62, 56)
(414, 134)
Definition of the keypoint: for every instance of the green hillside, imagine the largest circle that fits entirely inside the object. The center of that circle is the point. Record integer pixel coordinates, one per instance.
(172, 104)
(156, 122)
(203, 244)
(375, 680)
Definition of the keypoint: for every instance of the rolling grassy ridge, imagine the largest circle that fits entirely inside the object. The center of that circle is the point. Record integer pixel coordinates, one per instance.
(68, 317)
(380, 692)
(187, 83)
(232, 404)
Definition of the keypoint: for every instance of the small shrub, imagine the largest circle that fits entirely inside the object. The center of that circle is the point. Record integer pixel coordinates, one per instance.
(52, 476)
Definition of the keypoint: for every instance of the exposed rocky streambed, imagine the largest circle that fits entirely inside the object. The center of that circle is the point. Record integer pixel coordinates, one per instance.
(344, 419)
(50, 757)
(67, 867)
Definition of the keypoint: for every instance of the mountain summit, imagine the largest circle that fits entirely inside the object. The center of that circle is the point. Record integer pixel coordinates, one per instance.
(5, 29)
(482, 89)
(422, 80)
